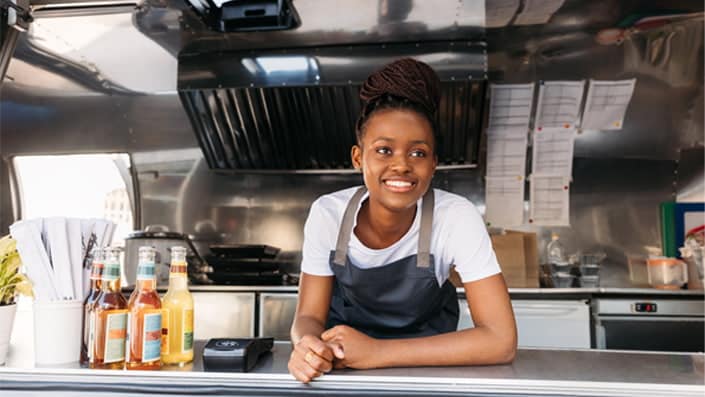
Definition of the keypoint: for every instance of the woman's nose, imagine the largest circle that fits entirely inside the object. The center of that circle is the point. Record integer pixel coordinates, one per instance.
(400, 163)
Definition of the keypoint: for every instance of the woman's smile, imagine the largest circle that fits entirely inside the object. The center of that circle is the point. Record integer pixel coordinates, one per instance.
(399, 185)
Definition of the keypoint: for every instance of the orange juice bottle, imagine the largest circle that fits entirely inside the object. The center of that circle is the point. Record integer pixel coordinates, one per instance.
(144, 332)
(110, 310)
(177, 314)
(87, 336)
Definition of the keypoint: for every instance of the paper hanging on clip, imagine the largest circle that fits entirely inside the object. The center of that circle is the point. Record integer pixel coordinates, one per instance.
(510, 105)
(558, 104)
(549, 197)
(606, 104)
(552, 152)
(504, 201)
(506, 152)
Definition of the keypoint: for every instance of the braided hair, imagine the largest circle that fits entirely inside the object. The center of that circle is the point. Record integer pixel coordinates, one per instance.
(405, 84)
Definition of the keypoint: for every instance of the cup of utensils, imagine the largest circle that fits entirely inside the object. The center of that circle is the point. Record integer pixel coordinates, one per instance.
(582, 270)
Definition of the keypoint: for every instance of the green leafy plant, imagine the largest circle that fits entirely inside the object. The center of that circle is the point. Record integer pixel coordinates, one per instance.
(12, 282)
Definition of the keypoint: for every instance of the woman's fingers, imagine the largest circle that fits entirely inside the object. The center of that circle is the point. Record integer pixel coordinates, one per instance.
(337, 350)
(316, 345)
(301, 371)
(317, 362)
(314, 353)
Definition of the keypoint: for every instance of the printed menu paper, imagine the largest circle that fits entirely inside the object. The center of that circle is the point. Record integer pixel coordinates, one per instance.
(606, 104)
(504, 201)
(559, 104)
(553, 152)
(506, 152)
(510, 105)
(549, 200)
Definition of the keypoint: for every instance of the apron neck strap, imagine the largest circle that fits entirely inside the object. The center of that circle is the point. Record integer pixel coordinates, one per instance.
(425, 231)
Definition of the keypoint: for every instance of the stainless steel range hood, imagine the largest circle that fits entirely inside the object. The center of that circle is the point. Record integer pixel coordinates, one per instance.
(295, 109)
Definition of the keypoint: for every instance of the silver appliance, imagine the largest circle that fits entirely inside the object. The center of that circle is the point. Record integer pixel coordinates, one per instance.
(649, 324)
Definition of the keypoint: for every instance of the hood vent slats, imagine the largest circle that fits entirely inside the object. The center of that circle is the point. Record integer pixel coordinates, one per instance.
(311, 129)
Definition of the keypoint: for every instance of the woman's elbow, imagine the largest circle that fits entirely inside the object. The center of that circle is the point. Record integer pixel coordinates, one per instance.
(508, 355)
(508, 350)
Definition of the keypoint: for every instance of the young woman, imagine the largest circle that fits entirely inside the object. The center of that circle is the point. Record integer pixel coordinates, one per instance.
(374, 288)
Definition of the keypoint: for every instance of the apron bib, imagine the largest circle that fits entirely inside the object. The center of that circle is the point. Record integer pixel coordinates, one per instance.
(400, 299)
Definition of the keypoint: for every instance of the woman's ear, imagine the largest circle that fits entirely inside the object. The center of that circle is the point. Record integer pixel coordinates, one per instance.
(356, 156)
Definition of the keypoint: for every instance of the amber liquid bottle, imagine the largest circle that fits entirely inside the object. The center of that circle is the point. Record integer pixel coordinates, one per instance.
(88, 325)
(177, 343)
(145, 316)
(110, 317)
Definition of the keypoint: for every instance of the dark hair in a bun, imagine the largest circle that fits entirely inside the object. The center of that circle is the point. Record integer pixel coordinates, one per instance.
(403, 84)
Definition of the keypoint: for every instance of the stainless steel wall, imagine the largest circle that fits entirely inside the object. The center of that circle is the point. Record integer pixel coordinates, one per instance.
(619, 177)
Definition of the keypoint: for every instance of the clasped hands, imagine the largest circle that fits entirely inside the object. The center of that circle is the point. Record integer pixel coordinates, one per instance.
(338, 347)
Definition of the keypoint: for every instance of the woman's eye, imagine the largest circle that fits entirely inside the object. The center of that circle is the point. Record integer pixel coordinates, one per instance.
(418, 153)
(383, 150)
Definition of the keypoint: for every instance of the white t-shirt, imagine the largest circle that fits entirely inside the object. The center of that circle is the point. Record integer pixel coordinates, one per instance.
(458, 238)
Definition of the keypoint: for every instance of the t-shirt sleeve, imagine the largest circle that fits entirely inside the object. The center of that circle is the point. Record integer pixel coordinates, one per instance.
(469, 246)
(319, 232)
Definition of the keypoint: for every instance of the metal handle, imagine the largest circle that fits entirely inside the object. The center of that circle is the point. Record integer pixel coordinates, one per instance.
(651, 318)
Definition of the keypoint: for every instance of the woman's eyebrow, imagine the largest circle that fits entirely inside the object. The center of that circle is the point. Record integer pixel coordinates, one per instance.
(383, 139)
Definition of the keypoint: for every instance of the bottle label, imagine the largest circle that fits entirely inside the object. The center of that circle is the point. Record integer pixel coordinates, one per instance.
(187, 324)
(152, 336)
(96, 271)
(111, 271)
(165, 331)
(145, 271)
(115, 334)
(177, 268)
(128, 346)
(91, 335)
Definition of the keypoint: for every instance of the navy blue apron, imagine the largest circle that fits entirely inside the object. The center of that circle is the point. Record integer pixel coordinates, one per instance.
(400, 299)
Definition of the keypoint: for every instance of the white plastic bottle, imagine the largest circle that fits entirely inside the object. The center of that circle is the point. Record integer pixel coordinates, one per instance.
(555, 252)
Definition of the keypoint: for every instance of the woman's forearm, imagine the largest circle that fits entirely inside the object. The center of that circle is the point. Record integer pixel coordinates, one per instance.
(305, 325)
(467, 347)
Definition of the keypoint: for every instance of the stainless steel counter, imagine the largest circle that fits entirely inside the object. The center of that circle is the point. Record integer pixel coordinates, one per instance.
(512, 291)
(534, 372)
(547, 372)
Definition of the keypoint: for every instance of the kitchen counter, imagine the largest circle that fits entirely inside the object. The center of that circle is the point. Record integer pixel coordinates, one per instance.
(535, 372)
(512, 291)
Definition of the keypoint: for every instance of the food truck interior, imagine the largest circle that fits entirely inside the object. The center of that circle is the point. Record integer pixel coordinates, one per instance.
(222, 123)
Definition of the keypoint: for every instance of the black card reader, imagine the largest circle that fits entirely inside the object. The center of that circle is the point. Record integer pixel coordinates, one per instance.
(234, 354)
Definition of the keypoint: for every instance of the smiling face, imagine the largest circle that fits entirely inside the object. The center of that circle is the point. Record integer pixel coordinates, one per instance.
(396, 156)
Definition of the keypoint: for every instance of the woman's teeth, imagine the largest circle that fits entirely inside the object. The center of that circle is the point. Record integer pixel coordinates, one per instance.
(398, 183)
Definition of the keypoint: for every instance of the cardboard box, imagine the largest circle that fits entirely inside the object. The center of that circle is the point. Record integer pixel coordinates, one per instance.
(517, 254)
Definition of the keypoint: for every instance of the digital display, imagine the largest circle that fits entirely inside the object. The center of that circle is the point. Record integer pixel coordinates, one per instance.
(645, 307)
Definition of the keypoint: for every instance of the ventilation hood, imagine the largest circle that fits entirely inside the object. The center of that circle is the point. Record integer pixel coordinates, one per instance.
(287, 100)
(295, 110)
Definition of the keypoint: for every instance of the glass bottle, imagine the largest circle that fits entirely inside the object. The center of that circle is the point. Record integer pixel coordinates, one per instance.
(88, 323)
(144, 333)
(110, 317)
(555, 252)
(177, 320)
